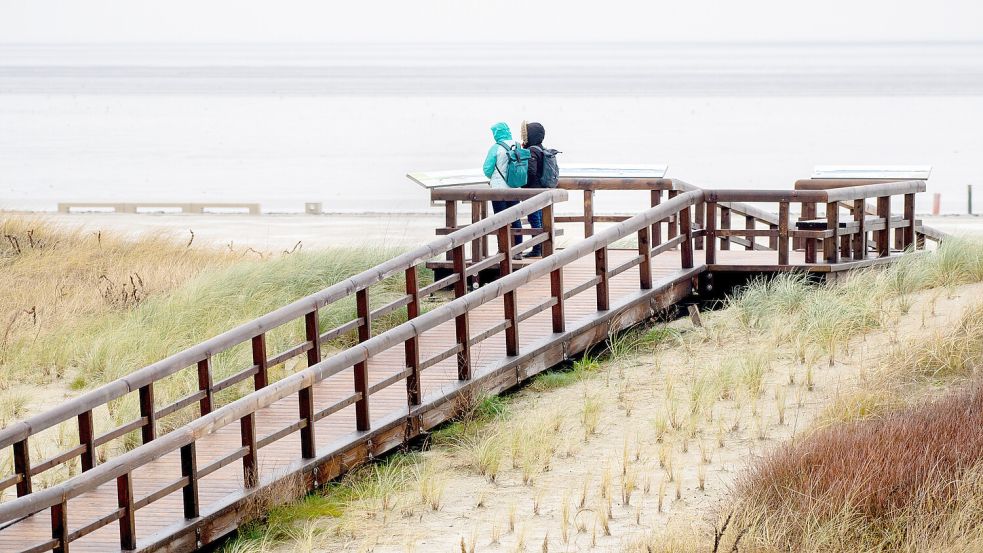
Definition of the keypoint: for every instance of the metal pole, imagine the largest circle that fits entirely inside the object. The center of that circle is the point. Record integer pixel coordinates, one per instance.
(969, 199)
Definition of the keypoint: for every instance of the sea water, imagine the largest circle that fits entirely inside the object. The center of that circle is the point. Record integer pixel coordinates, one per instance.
(282, 125)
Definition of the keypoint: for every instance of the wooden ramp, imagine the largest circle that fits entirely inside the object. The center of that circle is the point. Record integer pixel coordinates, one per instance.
(195, 484)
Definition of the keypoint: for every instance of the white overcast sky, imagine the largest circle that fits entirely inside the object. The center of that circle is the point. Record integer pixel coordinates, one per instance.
(68, 21)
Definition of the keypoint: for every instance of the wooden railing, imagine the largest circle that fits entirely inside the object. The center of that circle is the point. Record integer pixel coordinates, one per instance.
(59, 498)
(840, 239)
(198, 359)
(922, 232)
(658, 190)
(715, 214)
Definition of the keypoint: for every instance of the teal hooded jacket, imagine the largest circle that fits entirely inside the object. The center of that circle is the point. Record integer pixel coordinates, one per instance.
(497, 157)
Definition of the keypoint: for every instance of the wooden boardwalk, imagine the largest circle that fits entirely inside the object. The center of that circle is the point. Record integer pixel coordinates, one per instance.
(160, 497)
(156, 517)
(154, 520)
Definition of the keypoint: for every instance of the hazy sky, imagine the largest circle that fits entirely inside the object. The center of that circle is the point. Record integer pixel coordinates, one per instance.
(487, 20)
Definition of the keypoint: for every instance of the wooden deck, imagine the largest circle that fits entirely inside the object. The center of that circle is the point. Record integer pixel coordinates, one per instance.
(194, 485)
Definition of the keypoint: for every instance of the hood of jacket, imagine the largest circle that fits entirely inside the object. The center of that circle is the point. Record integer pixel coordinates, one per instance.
(535, 134)
(501, 132)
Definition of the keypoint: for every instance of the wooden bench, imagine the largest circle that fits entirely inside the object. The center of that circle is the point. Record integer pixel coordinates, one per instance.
(133, 207)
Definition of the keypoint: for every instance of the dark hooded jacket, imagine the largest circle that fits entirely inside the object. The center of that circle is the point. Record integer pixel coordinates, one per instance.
(535, 133)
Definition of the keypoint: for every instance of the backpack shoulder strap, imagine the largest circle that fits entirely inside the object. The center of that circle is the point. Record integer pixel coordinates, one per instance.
(507, 149)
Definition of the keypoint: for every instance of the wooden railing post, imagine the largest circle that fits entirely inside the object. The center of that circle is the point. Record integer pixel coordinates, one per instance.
(59, 526)
(261, 379)
(899, 238)
(508, 299)
(476, 253)
(588, 213)
(127, 522)
(860, 238)
(549, 246)
(783, 223)
(305, 396)
(831, 252)
(656, 226)
(87, 438)
(645, 267)
(189, 470)
(882, 237)
(412, 345)
(700, 208)
(556, 275)
(250, 462)
(749, 224)
(908, 234)
(484, 237)
(461, 331)
(207, 403)
(450, 218)
(22, 466)
(810, 245)
(846, 246)
(711, 233)
(673, 229)
(773, 240)
(724, 225)
(147, 410)
(601, 271)
(362, 419)
(686, 251)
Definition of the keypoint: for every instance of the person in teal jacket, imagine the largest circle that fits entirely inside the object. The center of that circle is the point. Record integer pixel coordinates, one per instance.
(495, 167)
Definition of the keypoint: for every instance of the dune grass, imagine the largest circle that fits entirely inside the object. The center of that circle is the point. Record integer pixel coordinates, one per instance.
(824, 317)
(55, 279)
(908, 481)
(893, 465)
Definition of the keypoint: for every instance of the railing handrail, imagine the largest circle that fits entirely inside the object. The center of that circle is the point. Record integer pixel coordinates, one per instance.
(155, 371)
(207, 424)
(818, 196)
(484, 193)
(875, 190)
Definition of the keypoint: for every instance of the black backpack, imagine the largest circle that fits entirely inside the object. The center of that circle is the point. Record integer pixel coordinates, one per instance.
(549, 173)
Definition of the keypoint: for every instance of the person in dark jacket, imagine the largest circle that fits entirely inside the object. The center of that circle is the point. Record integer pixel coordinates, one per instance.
(533, 137)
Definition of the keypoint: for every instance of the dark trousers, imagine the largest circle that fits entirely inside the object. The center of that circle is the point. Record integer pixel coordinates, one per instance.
(502, 205)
